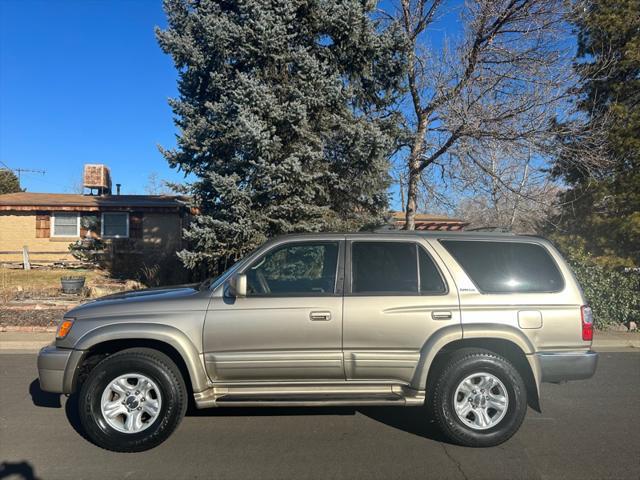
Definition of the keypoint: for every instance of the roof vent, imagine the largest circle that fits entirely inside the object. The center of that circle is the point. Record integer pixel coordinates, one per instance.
(97, 176)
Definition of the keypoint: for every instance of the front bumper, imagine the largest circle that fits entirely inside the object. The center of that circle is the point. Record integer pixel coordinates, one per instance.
(57, 368)
(562, 366)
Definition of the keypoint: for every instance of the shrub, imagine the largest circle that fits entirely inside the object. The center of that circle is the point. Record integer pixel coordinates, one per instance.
(613, 294)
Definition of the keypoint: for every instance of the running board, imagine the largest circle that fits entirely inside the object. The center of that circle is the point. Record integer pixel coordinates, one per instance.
(308, 396)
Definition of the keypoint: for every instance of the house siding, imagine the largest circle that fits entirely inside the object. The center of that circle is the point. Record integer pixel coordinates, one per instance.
(162, 231)
(149, 232)
(18, 229)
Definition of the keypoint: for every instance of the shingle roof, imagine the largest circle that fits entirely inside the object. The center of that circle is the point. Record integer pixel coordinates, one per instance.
(44, 201)
(426, 221)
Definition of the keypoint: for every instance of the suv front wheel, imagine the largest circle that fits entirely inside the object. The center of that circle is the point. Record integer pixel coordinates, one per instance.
(479, 399)
(132, 400)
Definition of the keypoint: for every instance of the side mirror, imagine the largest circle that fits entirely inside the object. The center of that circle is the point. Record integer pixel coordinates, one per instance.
(238, 285)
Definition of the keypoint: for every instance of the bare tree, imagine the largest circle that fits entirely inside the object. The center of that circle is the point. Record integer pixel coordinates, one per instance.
(156, 186)
(511, 193)
(498, 88)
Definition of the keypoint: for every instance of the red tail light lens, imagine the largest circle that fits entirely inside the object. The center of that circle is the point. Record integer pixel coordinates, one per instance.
(587, 323)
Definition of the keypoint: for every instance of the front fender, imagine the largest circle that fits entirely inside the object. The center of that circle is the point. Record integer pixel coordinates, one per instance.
(151, 331)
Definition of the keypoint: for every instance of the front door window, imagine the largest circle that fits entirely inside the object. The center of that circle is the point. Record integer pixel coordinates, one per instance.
(299, 269)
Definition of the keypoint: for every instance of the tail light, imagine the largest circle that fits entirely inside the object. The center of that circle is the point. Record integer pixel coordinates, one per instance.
(587, 323)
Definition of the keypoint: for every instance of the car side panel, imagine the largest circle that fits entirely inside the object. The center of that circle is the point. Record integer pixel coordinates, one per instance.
(384, 336)
(550, 321)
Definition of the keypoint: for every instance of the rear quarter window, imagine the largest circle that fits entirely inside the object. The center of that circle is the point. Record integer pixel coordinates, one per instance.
(507, 267)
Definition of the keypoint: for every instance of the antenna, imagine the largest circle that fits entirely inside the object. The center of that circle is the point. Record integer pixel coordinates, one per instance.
(20, 171)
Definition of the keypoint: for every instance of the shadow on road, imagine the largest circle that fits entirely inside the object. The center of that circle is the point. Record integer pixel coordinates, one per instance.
(71, 410)
(17, 471)
(409, 419)
(413, 420)
(41, 398)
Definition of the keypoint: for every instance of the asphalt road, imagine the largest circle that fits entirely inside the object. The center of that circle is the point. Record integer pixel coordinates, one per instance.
(588, 430)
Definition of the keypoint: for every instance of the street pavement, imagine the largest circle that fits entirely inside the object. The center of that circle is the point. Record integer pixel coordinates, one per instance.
(588, 430)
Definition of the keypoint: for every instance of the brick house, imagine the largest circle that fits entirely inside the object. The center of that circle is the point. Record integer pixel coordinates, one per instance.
(46, 223)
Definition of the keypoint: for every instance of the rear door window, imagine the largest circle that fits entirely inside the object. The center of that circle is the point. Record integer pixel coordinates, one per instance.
(507, 267)
(393, 268)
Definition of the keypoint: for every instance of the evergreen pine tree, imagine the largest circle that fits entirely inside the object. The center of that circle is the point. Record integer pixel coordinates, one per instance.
(283, 118)
(9, 182)
(603, 214)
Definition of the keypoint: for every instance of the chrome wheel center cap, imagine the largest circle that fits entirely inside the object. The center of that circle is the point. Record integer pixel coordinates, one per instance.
(132, 402)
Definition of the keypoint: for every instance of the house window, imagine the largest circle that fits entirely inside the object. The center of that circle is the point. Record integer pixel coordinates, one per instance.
(115, 225)
(65, 224)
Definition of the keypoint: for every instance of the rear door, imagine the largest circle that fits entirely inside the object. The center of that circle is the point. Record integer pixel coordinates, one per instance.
(289, 326)
(396, 297)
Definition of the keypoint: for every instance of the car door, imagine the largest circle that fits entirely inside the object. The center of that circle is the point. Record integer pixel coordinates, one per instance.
(289, 325)
(396, 298)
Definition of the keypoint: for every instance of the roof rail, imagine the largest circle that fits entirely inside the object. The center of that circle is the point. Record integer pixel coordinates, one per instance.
(489, 229)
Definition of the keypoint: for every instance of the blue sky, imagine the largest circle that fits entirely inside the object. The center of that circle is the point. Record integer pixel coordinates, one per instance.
(84, 81)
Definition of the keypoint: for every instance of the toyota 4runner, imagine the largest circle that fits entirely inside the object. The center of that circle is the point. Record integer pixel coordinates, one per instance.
(466, 324)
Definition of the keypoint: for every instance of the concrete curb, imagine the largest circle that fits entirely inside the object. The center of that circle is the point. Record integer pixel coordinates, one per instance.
(27, 329)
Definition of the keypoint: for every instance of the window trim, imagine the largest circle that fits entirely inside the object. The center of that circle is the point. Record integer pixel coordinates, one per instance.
(339, 280)
(102, 225)
(541, 245)
(349, 271)
(53, 233)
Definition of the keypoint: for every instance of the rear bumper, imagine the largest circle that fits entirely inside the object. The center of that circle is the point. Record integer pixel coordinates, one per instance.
(57, 367)
(562, 366)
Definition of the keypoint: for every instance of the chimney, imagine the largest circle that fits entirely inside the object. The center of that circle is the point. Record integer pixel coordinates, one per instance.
(118, 188)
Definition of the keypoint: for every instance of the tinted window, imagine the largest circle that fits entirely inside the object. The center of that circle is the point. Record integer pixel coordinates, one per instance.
(505, 267)
(295, 269)
(430, 279)
(115, 224)
(384, 267)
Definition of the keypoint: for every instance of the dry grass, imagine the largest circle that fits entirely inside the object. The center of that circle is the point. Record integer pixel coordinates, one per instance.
(16, 284)
(36, 279)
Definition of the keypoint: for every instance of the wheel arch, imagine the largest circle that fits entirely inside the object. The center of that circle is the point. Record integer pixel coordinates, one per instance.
(113, 338)
(508, 343)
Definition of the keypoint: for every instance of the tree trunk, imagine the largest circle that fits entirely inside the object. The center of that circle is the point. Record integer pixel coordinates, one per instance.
(415, 169)
(412, 193)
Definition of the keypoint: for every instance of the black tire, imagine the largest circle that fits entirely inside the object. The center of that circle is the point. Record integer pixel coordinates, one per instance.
(152, 364)
(462, 364)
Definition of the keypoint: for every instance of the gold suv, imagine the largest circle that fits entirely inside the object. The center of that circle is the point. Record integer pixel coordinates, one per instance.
(467, 325)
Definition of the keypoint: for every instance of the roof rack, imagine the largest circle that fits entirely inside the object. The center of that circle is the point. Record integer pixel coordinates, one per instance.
(489, 229)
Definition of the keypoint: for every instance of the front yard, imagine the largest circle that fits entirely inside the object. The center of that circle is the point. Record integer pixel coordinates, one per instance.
(34, 298)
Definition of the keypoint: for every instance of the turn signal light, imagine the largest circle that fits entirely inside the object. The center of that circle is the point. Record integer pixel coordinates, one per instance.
(64, 328)
(587, 323)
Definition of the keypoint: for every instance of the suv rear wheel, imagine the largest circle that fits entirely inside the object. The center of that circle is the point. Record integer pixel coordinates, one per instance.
(132, 400)
(479, 399)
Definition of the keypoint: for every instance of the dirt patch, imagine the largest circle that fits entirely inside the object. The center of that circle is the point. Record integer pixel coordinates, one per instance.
(32, 317)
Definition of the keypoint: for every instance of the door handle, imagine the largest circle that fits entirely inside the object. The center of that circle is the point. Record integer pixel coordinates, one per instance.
(441, 315)
(320, 316)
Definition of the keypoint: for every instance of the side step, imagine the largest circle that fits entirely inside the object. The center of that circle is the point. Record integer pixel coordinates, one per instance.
(308, 396)
(310, 400)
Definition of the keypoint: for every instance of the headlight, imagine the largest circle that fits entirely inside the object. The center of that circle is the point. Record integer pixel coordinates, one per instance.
(64, 328)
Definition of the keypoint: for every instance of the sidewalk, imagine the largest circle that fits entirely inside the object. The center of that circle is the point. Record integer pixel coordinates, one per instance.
(31, 342)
